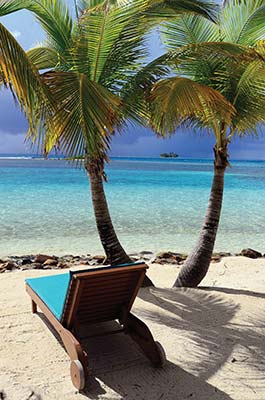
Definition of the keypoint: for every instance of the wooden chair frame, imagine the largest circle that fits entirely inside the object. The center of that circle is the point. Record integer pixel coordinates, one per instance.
(68, 327)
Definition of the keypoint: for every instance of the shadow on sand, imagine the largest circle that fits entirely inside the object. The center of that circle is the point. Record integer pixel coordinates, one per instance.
(205, 319)
(198, 317)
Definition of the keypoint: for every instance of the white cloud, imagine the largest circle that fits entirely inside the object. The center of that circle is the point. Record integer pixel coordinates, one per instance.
(16, 34)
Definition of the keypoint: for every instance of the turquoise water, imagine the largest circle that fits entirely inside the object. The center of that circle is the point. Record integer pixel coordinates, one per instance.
(156, 204)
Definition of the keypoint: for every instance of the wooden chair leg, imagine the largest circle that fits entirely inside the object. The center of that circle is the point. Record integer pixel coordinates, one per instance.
(79, 359)
(33, 307)
(141, 334)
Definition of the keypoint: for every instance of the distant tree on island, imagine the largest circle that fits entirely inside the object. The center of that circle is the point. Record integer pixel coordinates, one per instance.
(169, 155)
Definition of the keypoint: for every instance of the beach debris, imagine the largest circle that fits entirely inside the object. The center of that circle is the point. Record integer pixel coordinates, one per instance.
(250, 253)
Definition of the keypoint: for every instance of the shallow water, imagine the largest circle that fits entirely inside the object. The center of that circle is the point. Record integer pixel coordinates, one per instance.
(156, 204)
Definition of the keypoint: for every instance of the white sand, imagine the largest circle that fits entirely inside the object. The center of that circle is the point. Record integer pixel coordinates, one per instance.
(214, 339)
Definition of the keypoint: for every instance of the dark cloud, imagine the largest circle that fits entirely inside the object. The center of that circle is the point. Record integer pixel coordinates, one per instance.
(12, 119)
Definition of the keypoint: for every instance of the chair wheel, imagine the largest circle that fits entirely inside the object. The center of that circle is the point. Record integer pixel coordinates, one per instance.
(162, 353)
(77, 374)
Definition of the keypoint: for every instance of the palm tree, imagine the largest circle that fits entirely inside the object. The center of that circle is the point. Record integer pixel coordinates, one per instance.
(229, 58)
(89, 60)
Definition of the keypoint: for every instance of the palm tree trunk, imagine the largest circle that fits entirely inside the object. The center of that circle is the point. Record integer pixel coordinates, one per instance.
(197, 264)
(115, 254)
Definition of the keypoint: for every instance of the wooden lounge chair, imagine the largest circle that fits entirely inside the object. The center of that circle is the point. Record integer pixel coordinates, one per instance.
(79, 299)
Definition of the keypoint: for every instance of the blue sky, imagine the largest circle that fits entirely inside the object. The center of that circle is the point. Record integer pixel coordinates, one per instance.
(134, 141)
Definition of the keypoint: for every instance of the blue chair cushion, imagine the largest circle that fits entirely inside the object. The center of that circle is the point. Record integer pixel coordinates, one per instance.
(52, 291)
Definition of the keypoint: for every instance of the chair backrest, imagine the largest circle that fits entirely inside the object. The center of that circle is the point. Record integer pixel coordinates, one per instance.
(102, 294)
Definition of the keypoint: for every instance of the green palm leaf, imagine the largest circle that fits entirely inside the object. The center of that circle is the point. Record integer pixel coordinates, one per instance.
(243, 21)
(10, 6)
(189, 29)
(86, 114)
(176, 101)
(250, 87)
(43, 57)
(21, 76)
(115, 42)
(164, 9)
(53, 16)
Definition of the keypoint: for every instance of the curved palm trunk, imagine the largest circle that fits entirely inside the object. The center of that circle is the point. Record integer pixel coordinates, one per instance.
(197, 264)
(115, 254)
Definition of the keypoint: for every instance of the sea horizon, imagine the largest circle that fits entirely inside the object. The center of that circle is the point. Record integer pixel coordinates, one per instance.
(46, 207)
(113, 157)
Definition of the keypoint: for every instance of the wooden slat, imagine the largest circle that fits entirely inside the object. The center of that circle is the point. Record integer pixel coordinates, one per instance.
(118, 280)
(107, 293)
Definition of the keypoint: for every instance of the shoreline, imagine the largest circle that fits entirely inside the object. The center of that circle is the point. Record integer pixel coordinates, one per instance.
(46, 262)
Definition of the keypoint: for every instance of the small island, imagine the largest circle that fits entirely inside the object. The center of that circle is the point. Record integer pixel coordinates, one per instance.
(169, 155)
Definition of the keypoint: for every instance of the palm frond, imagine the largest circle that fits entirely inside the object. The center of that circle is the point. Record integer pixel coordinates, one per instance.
(53, 16)
(43, 57)
(165, 9)
(88, 6)
(243, 21)
(86, 114)
(56, 21)
(188, 29)
(11, 6)
(136, 90)
(176, 101)
(114, 40)
(250, 98)
(201, 61)
(20, 75)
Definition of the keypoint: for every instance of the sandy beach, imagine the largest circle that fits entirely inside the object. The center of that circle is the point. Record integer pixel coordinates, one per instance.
(214, 338)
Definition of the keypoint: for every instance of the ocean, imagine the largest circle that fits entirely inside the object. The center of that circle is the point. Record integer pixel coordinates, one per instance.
(156, 204)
